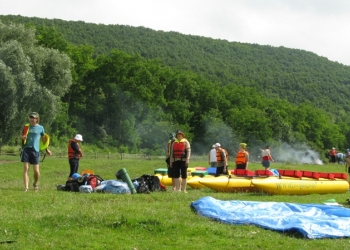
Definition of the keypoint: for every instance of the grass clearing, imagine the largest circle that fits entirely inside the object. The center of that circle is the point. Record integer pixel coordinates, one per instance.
(161, 220)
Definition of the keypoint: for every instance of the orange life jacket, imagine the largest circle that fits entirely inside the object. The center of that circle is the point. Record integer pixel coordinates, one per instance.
(179, 149)
(71, 152)
(218, 155)
(241, 158)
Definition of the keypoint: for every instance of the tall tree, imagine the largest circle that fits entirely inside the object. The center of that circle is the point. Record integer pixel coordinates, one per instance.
(32, 78)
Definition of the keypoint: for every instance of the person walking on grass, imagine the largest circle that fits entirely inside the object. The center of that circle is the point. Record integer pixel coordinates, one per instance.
(31, 136)
(179, 160)
(74, 154)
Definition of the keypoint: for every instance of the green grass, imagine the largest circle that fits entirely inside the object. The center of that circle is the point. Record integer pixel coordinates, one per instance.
(162, 220)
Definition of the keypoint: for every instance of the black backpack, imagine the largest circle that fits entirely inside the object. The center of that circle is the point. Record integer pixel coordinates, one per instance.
(72, 186)
(142, 187)
(152, 182)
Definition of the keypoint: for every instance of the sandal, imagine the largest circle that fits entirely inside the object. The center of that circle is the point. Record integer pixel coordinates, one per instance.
(36, 187)
(26, 189)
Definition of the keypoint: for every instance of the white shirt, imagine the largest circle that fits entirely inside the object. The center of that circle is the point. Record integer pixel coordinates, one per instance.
(212, 155)
(265, 152)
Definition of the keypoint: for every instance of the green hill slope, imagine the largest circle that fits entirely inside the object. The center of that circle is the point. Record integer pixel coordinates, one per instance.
(291, 74)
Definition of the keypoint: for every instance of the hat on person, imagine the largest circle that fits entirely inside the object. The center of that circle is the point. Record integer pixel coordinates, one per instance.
(217, 144)
(333, 148)
(78, 137)
(214, 145)
(243, 145)
(34, 114)
(180, 132)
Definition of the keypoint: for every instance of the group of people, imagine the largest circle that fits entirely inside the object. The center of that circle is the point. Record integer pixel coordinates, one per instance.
(178, 155)
(335, 156)
(31, 136)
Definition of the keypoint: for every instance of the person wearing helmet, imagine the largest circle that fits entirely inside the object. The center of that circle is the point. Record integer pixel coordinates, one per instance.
(180, 154)
(31, 135)
(170, 170)
(74, 154)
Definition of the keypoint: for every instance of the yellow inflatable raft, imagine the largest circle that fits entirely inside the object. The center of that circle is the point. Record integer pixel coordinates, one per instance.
(304, 183)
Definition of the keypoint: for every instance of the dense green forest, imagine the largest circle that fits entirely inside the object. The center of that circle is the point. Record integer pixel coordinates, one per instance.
(129, 87)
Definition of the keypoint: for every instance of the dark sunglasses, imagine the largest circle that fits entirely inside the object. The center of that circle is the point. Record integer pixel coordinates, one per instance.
(32, 117)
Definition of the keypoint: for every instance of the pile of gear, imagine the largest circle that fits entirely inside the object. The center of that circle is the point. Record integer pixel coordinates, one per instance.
(89, 182)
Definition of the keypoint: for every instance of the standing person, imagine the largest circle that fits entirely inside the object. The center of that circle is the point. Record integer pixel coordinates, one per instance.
(179, 160)
(221, 158)
(266, 157)
(170, 170)
(31, 149)
(340, 158)
(333, 154)
(242, 158)
(74, 154)
(212, 157)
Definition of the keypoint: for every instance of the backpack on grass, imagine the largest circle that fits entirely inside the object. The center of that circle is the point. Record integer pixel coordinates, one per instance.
(141, 186)
(152, 182)
(72, 186)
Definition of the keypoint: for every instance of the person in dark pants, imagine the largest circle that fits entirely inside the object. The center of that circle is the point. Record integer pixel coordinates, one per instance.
(179, 158)
(170, 170)
(221, 159)
(242, 158)
(31, 135)
(74, 154)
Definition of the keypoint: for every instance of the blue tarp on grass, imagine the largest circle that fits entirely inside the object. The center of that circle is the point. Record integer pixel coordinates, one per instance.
(311, 220)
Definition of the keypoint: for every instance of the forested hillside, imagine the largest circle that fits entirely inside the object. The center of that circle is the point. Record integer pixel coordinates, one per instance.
(291, 74)
(132, 86)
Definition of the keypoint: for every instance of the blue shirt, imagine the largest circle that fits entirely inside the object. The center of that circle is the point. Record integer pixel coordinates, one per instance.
(33, 137)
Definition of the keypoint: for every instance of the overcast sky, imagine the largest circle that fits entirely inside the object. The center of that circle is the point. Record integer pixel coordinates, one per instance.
(319, 26)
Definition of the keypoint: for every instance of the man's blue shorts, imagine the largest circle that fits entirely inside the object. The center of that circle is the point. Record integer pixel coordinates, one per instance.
(30, 155)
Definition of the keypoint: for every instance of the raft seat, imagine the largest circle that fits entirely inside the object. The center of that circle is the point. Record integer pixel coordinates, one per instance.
(200, 173)
(263, 172)
(244, 172)
(290, 173)
(326, 175)
(340, 176)
(161, 171)
(311, 174)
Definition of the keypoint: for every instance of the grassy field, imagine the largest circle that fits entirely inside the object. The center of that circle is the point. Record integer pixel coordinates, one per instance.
(162, 220)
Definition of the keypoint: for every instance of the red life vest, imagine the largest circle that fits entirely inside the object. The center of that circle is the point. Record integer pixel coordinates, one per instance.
(71, 152)
(241, 158)
(179, 149)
